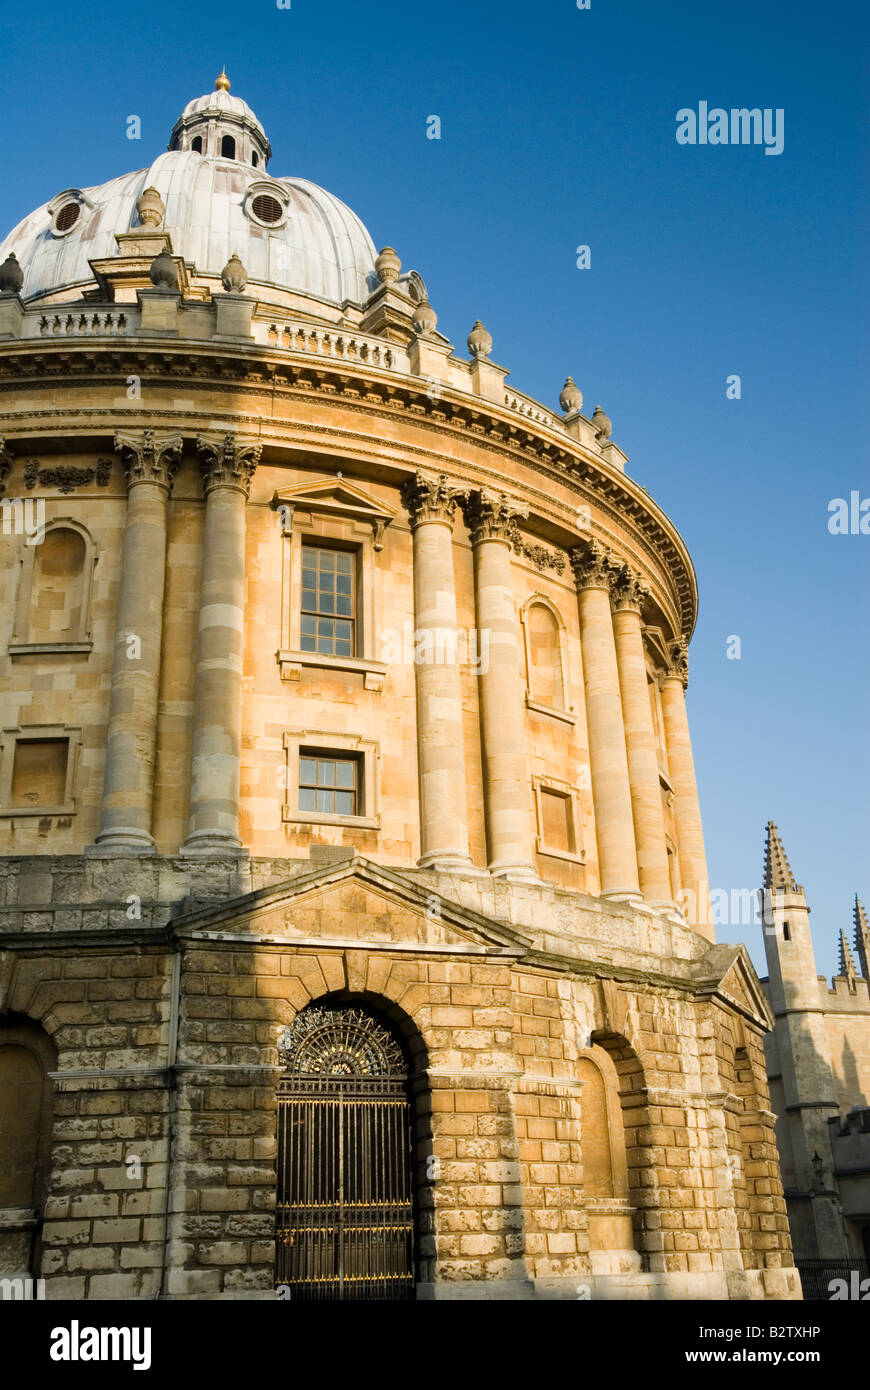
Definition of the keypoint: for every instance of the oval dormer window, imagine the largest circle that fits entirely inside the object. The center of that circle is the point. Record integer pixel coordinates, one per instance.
(66, 218)
(267, 209)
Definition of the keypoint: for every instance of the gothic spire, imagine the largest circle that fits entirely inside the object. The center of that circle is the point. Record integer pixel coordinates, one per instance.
(847, 964)
(862, 937)
(778, 876)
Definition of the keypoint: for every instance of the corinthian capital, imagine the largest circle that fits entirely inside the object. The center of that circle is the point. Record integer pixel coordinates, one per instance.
(492, 516)
(5, 463)
(678, 665)
(149, 457)
(228, 462)
(628, 590)
(594, 566)
(429, 498)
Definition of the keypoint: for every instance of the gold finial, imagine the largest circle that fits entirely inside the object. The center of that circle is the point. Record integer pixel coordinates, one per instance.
(223, 82)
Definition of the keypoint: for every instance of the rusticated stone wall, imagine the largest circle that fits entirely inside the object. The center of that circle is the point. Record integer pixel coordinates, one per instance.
(162, 1161)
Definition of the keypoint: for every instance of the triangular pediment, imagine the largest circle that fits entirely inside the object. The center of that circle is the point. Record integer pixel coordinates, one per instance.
(736, 982)
(335, 495)
(354, 903)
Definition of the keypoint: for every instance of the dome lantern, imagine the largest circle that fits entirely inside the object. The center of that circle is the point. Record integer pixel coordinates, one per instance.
(220, 126)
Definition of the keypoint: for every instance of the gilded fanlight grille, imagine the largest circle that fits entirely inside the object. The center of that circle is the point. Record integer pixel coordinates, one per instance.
(345, 1218)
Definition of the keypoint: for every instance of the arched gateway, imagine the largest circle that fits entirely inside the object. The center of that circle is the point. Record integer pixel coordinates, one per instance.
(345, 1204)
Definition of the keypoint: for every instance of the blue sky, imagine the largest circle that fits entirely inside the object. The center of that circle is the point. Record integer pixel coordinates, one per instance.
(558, 129)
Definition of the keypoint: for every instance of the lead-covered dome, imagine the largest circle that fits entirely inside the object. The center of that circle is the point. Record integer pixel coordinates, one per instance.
(219, 200)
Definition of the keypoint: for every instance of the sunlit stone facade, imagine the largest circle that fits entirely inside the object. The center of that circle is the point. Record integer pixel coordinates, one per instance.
(344, 676)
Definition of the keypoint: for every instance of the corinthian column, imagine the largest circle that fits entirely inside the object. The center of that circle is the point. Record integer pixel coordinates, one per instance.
(492, 518)
(640, 739)
(431, 503)
(227, 467)
(687, 811)
(595, 569)
(150, 462)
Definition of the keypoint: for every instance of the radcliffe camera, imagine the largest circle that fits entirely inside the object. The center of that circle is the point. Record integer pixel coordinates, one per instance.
(432, 688)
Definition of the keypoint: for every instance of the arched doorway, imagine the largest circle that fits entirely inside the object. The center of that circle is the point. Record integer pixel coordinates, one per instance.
(345, 1204)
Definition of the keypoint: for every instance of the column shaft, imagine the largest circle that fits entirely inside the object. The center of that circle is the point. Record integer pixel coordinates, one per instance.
(643, 763)
(608, 760)
(440, 737)
(131, 738)
(217, 704)
(502, 713)
(687, 811)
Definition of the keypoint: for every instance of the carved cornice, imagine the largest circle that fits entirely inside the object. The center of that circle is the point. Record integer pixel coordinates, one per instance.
(493, 516)
(678, 667)
(629, 589)
(429, 498)
(5, 463)
(594, 566)
(149, 457)
(228, 461)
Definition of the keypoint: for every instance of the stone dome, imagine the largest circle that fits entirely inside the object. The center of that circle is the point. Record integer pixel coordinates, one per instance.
(220, 201)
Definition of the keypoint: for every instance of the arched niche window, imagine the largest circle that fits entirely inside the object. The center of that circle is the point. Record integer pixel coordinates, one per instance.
(546, 677)
(196, 144)
(27, 1055)
(255, 159)
(228, 147)
(605, 1168)
(52, 612)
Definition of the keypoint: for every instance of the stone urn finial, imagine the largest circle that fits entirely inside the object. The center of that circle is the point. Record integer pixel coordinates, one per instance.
(388, 266)
(234, 276)
(163, 274)
(425, 319)
(150, 207)
(602, 425)
(479, 340)
(11, 275)
(571, 398)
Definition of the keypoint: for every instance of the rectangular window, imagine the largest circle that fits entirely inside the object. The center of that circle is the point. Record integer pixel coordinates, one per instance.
(557, 828)
(328, 784)
(328, 601)
(39, 772)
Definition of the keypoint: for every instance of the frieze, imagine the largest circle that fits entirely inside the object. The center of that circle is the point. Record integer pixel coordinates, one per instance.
(540, 556)
(541, 455)
(65, 477)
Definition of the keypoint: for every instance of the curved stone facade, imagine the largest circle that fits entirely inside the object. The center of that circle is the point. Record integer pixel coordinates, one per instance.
(339, 669)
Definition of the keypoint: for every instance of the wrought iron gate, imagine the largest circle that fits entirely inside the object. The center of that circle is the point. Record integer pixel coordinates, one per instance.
(345, 1215)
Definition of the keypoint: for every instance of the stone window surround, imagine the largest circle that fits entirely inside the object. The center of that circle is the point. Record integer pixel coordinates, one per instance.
(19, 645)
(306, 523)
(37, 733)
(542, 783)
(566, 714)
(368, 752)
